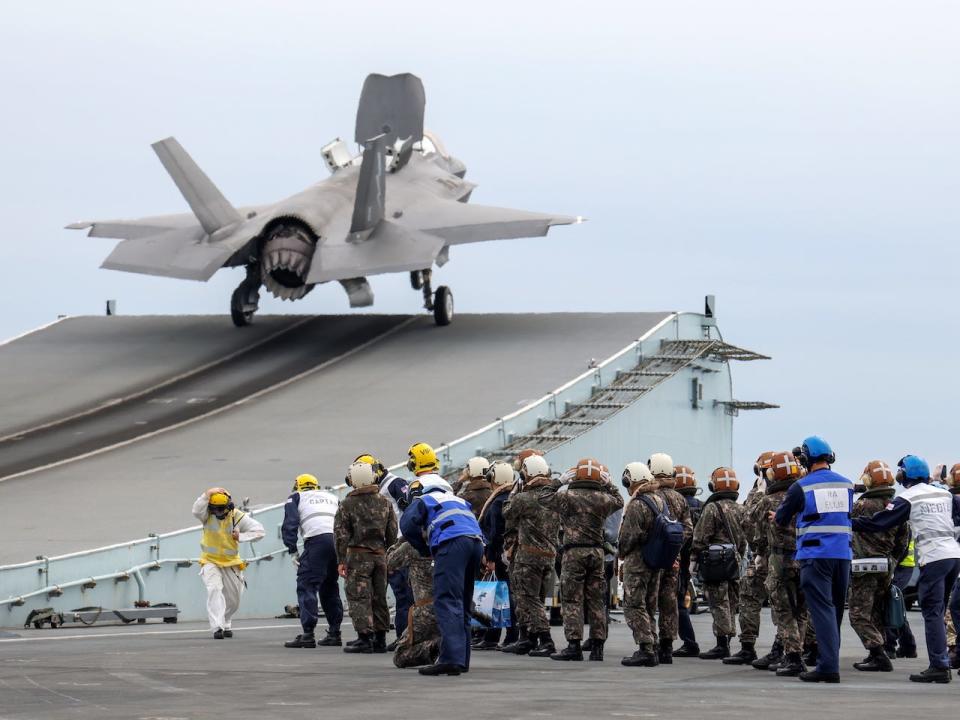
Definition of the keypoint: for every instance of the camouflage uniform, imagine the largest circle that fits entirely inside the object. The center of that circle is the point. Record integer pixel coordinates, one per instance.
(583, 507)
(753, 589)
(667, 595)
(711, 530)
(868, 591)
(365, 526)
(537, 530)
(420, 642)
(640, 583)
(778, 543)
(476, 492)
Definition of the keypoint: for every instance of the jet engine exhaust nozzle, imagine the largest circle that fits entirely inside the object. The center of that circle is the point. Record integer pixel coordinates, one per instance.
(285, 260)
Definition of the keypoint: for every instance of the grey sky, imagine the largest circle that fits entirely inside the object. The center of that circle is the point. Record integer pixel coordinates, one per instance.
(800, 160)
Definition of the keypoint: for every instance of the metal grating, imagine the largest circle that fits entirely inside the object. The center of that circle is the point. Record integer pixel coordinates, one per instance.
(629, 386)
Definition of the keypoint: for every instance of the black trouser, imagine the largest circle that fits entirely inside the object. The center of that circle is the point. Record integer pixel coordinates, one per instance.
(684, 624)
(317, 575)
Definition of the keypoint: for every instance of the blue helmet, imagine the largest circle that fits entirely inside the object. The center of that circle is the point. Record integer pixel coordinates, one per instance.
(816, 449)
(913, 468)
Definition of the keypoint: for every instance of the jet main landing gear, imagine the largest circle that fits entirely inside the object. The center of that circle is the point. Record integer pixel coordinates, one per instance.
(440, 303)
(246, 298)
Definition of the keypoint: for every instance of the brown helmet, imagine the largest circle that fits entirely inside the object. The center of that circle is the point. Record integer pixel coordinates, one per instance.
(724, 479)
(523, 455)
(686, 478)
(953, 477)
(591, 470)
(877, 474)
(784, 466)
(763, 462)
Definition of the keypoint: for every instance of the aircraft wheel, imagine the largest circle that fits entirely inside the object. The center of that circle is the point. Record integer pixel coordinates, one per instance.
(240, 316)
(443, 306)
(416, 279)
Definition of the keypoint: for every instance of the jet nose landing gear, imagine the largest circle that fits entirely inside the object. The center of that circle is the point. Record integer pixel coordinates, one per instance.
(246, 298)
(440, 303)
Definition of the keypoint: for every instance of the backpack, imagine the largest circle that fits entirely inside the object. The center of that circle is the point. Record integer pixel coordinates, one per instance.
(664, 540)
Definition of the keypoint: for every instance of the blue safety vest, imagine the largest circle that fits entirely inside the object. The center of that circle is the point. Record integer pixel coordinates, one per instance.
(824, 529)
(448, 516)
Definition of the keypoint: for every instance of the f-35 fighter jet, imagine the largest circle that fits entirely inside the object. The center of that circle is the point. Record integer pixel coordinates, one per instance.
(396, 207)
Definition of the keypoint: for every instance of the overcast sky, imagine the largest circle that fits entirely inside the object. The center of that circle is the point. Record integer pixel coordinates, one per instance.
(798, 159)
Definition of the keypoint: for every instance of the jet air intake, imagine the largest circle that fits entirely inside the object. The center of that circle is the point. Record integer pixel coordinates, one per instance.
(285, 260)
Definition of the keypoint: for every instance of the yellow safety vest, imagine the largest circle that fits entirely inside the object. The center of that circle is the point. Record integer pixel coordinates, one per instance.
(911, 559)
(217, 545)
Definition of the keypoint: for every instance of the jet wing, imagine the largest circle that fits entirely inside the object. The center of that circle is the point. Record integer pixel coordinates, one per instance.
(457, 222)
(391, 247)
(140, 227)
(183, 253)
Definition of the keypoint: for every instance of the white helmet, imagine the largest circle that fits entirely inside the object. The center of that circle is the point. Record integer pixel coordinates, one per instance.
(534, 466)
(636, 472)
(500, 473)
(477, 467)
(661, 465)
(361, 474)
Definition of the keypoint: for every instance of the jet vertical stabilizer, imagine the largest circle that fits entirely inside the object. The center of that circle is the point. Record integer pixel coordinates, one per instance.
(212, 209)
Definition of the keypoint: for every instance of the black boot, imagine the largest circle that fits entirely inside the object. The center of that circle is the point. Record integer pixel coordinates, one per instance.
(331, 639)
(746, 655)
(643, 657)
(791, 665)
(954, 657)
(306, 640)
(719, 652)
(932, 675)
(380, 641)
(571, 652)
(441, 669)
(811, 655)
(545, 646)
(364, 644)
(596, 650)
(587, 645)
(876, 661)
(218, 634)
(819, 677)
(688, 649)
(907, 650)
(665, 652)
(522, 646)
(771, 658)
(392, 647)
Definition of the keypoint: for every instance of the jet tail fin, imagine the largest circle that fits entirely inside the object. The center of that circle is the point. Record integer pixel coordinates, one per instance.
(391, 105)
(212, 209)
(368, 205)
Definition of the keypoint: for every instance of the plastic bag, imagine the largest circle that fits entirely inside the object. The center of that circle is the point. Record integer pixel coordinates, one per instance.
(491, 597)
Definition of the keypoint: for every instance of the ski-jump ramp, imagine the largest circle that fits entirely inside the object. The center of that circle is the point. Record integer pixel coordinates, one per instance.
(184, 407)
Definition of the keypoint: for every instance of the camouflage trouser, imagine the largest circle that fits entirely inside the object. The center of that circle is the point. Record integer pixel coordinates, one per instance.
(528, 581)
(951, 631)
(420, 642)
(640, 590)
(582, 584)
(669, 617)
(723, 606)
(868, 592)
(366, 588)
(752, 594)
(787, 608)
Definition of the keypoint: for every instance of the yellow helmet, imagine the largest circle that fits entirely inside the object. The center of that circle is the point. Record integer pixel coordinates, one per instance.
(307, 482)
(219, 499)
(422, 459)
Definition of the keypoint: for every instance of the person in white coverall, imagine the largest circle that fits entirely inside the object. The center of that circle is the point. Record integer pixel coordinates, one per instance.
(221, 568)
